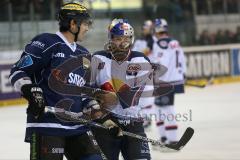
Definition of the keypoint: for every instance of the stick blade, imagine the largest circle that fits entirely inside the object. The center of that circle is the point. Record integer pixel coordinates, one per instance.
(183, 141)
(196, 85)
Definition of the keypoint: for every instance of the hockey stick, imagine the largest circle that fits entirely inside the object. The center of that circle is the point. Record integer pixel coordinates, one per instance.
(64, 115)
(95, 144)
(75, 117)
(195, 85)
(209, 82)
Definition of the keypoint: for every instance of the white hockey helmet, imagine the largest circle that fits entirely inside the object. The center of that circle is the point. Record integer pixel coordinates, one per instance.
(120, 27)
(160, 25)
(148, 24)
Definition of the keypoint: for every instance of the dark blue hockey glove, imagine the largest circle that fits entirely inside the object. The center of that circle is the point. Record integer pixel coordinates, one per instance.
(34, 94)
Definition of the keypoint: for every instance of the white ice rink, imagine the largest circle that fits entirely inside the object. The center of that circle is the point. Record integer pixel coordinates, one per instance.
(215, 118)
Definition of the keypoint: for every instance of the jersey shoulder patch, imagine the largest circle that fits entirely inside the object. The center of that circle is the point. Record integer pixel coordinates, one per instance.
(25, 61)
(42, 42)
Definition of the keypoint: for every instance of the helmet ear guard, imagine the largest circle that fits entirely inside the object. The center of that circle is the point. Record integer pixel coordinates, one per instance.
(63, 23)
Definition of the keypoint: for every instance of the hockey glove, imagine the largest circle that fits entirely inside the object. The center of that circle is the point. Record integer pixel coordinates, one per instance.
(114, 129)
(106, 99)
(34, 94)
(92, 109)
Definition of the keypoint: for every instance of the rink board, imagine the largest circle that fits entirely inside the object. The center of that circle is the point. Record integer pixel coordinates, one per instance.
(221, 62)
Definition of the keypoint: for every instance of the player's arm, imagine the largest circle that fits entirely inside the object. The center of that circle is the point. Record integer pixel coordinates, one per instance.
(32, 60)
(183, 61)
(180, 57)
(112, 124)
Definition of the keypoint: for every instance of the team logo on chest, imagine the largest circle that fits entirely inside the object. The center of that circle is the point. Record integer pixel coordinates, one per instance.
(133, 69)
(59, 54)
(76, 79)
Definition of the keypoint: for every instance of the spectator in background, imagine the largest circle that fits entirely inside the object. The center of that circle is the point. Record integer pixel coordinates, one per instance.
(232, 6)
(218, 7)
(212, 37)
(237, 35)
(165, 9)
(221, 37)
(229, 36)
(201, 7)
(177, 11)
(204, 38)
(37, 5)
(4, 10)
(187, 9)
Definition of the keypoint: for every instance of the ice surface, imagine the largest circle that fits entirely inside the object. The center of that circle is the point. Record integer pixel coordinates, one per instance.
(215, 118)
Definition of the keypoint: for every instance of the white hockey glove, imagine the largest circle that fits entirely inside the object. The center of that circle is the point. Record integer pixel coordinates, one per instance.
(92, 110)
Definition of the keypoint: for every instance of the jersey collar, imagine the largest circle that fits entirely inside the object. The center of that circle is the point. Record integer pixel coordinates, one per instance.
(72, 46)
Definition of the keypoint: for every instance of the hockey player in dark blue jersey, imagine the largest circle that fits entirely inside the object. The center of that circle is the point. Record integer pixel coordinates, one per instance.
(120, 70)
(49, 137)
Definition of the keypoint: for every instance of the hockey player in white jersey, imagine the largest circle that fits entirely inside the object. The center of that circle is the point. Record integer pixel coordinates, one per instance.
(168, 52)
(145, 43)
(120, 70)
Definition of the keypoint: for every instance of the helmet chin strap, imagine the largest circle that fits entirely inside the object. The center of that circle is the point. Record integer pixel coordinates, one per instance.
(75, 34)
(120, 56)
(119, 52)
